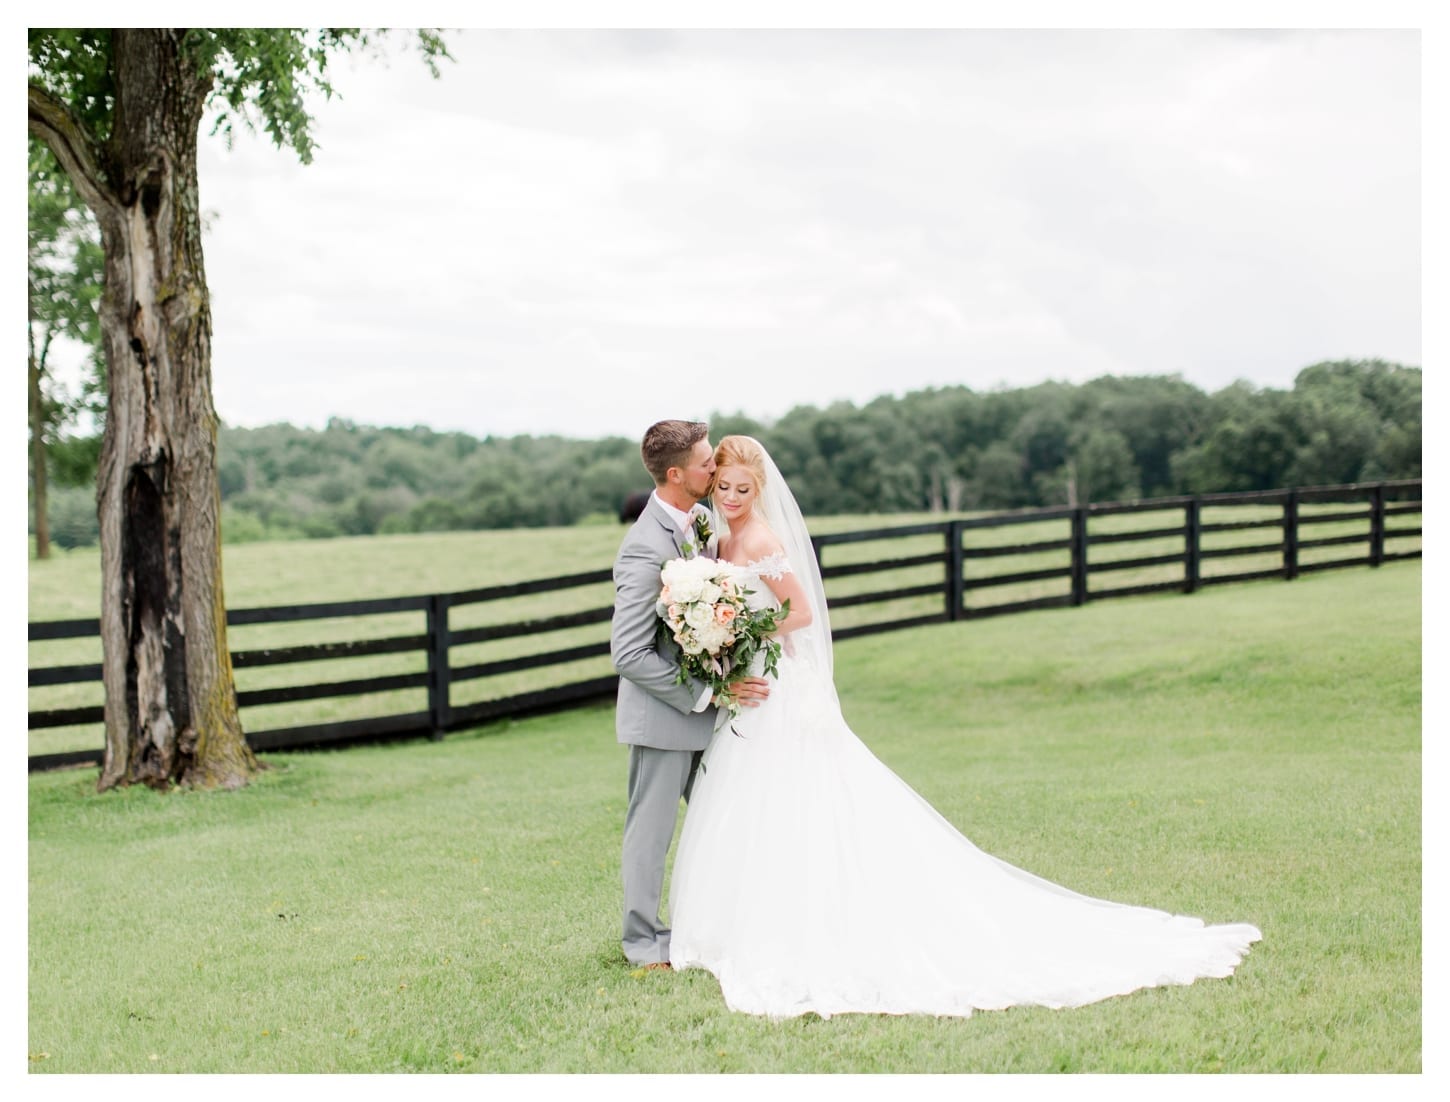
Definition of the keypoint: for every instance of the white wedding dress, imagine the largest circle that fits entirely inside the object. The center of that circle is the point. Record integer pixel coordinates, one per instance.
(809, 878)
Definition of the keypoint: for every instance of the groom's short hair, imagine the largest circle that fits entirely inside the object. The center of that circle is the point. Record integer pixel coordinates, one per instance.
(669, 444)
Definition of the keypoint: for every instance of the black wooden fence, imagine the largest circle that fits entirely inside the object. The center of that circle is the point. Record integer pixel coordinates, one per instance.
(944, 573)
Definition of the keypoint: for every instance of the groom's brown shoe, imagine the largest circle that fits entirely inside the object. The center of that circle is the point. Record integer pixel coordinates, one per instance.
(658, 966)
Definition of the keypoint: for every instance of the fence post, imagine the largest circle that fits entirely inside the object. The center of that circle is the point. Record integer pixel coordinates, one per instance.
(1079, 555)
(438, 708)
(1291, 536)
(1192, 549)
(956, 563)
(1377, 524)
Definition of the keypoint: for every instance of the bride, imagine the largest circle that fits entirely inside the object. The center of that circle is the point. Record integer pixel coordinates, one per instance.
(809, 878)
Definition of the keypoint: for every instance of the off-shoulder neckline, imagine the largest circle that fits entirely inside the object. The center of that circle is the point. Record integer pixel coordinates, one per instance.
(775, 559)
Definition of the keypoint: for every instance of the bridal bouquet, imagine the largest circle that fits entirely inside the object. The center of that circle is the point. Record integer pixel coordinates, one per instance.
(703, 606)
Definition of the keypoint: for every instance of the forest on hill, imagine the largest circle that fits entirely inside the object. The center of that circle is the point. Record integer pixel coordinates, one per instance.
(949, 449)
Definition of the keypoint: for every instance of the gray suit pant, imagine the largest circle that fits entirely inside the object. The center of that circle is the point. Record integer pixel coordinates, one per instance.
(657, 781)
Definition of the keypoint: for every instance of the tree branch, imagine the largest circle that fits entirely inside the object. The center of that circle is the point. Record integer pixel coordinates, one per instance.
(79, 155)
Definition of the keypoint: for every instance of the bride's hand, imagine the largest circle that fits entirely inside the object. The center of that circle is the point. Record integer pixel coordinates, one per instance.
(749, 692)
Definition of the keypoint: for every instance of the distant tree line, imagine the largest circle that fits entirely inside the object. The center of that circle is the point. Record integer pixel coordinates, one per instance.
(941, 449)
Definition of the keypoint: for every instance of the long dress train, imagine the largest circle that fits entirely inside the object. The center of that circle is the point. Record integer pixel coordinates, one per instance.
(810, 878)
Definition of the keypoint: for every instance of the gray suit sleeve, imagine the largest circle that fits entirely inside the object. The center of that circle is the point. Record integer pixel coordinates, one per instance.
(633, 636)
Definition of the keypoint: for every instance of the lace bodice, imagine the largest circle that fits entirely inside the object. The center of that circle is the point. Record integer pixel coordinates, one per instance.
(773, 566)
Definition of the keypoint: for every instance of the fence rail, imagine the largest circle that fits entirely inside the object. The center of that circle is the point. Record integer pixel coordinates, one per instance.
(929, 573)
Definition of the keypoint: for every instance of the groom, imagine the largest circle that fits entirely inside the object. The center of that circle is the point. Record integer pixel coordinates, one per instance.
(665, 724)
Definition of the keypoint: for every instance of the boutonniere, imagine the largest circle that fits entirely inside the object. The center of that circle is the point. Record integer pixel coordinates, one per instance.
(703, 531)
(699, 540)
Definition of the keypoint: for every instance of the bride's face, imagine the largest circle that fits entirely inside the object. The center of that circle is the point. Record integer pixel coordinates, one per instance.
(735, 491)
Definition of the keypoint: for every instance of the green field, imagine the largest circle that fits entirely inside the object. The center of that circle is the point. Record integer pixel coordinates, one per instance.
(1248, 753)
(302, 572)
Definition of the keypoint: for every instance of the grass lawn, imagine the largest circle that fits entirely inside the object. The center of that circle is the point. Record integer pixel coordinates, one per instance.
(1248, 753)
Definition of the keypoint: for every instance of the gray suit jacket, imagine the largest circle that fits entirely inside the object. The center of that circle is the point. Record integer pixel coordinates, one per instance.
(654, 709)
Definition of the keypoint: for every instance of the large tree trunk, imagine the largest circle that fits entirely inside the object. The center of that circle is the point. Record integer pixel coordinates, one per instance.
(171, 709)
(37, 457)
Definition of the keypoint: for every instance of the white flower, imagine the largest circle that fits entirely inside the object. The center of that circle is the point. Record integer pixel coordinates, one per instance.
(686, 590)
(690, 580)
(712, 637)
(684, 580)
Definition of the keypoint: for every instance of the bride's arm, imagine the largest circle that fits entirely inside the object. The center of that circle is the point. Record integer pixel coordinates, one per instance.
(760, 545)
(787, 588)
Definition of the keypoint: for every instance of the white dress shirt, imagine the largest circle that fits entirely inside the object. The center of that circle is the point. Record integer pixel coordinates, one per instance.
(683, 520)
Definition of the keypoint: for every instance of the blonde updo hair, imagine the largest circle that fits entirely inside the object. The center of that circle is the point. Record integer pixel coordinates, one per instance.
(740, 451)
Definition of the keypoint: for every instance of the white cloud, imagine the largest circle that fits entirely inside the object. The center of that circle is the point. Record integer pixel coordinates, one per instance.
(578, 231)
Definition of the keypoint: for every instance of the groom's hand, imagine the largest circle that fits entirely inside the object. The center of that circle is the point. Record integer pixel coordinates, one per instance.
(749, 692)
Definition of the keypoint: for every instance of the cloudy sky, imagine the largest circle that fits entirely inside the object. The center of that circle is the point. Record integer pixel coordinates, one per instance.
(582, 231)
